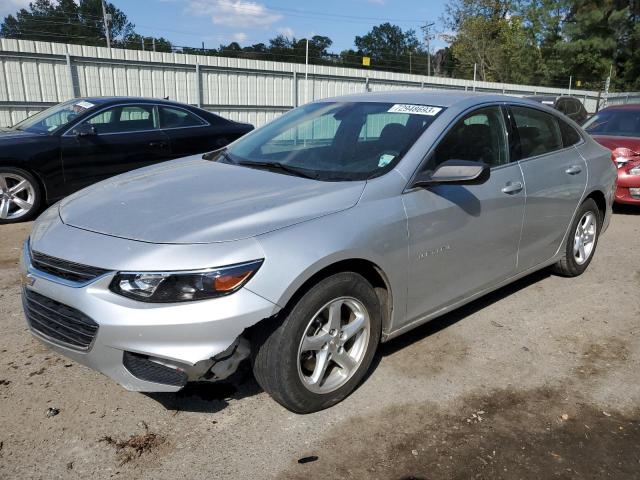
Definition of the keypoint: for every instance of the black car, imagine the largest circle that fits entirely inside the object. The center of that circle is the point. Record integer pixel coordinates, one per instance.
(76, 143)
(572, 107)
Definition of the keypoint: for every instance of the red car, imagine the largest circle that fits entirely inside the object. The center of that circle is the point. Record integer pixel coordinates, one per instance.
(618, 129)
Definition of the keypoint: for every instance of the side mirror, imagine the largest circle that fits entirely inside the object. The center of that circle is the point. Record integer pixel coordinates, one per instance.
(455, 172)
(84, 130)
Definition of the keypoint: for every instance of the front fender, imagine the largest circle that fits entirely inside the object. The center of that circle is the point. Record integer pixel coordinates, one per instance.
(373, 231)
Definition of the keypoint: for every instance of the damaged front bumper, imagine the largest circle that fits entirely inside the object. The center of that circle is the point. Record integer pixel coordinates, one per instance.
(144, 347)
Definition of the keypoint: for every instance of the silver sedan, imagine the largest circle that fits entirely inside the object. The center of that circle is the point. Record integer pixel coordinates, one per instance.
(309, 241)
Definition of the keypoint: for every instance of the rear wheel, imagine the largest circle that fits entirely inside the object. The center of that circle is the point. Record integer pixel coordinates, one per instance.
(581, 241)
(321, 350)
(20, 195)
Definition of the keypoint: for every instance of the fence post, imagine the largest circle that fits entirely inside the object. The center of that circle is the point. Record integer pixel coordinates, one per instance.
(70, 74)
(294, 90)
(198, 86)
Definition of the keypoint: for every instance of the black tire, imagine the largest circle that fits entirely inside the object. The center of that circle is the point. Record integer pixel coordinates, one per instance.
(276, 342)
(568, 266)
(36, 200)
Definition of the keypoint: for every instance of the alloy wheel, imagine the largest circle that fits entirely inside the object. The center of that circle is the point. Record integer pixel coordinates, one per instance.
(333, 345)
(585, 238)
(17, 196)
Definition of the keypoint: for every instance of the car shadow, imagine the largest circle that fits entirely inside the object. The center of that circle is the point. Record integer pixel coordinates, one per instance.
(210, 397)
(441, 323)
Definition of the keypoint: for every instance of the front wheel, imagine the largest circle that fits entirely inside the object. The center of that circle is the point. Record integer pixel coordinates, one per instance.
(581, 242)
(20, 195)
(323, 347)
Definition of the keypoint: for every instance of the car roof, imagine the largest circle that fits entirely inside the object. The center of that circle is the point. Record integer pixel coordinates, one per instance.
(439, 98)
(112, 100)
(624, 106)
(543, 98)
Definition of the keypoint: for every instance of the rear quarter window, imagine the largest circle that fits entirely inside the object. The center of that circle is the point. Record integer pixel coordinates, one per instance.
(569, 134)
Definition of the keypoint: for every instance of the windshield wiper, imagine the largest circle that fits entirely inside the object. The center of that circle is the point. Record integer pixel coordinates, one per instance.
(283, 167)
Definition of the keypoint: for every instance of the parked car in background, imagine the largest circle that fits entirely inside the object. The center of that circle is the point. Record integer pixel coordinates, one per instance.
(307, 242)
(572, 107)
(76, 143)
(618, 129)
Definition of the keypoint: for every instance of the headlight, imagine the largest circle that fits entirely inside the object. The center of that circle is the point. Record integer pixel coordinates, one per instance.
(635, 170)
(170, 287)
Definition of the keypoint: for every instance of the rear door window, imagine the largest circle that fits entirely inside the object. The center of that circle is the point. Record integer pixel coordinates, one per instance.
(538, 132)
(178, 118)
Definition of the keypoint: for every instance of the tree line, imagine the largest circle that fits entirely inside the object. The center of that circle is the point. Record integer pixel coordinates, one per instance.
(541, 42)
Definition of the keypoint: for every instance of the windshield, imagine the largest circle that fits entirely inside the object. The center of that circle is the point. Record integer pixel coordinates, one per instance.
(620, 123)
(335, 141)
(55, 117)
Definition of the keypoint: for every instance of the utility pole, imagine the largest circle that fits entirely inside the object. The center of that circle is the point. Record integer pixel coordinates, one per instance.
(306, 74)
(475, 68)
(570, 82)
(153, 43)
(106, 17)
(410, 69)
(427, 38)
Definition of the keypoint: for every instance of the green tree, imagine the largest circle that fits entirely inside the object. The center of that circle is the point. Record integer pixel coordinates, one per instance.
(388, 46)
(72, 21)
(600, 35)
(492, 35)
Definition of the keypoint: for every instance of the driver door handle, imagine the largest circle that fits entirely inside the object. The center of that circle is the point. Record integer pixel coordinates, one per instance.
(157, 144)
(573, 170)
(512, 187)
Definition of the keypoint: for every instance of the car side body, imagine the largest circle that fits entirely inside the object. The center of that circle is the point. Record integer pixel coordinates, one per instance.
(65, 160)
(425, 250)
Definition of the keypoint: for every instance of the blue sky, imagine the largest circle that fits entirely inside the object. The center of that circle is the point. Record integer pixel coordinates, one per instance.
(191, 22)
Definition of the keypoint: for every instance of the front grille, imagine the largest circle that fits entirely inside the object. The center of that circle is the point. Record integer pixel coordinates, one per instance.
(58, 322)
(64, 269)
(141, 367)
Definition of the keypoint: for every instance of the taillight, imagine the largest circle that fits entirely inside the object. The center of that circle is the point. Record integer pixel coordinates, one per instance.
(622, 155)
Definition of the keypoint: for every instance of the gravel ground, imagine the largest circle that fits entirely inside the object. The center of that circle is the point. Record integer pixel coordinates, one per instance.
(537, 380)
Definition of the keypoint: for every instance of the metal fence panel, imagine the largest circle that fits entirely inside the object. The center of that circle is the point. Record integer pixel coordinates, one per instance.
(34, 75)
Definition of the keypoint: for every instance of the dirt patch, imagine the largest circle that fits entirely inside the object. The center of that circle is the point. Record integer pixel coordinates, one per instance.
(506, 434)
(136, 446)
(598, 358)
(8, 263)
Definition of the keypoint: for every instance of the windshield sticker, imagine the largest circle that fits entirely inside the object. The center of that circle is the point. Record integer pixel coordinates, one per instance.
(415, 109)
(385, 159)
(84, 105)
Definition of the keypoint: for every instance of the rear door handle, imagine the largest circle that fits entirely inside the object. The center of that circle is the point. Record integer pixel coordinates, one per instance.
(157, 144)
(573, 170)
(512, 187)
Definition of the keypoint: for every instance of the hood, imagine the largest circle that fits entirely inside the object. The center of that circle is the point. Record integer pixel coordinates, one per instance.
(198, 201)
(632, 143)
(12, 135)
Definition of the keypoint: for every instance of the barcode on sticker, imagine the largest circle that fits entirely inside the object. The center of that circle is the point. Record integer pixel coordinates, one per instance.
(415, 109)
